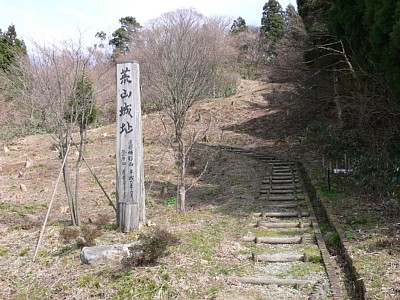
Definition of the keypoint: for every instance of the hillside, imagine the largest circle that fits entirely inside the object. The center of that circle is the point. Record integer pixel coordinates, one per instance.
(262, 117)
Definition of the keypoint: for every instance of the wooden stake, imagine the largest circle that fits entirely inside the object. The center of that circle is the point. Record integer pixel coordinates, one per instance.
(51, 204)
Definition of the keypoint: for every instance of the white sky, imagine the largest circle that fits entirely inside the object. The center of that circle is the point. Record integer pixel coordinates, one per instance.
(49, 20)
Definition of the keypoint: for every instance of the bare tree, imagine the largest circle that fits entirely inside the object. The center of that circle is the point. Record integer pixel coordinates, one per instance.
(58, 81)
(181, 54)
(249, 50)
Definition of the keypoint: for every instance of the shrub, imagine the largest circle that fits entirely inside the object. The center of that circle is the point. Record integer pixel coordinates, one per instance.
(153, 245)
(88, 236)
(69, 234)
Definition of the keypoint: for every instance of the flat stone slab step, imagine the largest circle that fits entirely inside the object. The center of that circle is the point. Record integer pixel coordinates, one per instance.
(273, 191)
(281, 187)
(286, 178)
(283, 166)
(275, 281)
(285, 198)
(285, 186)
(286, 205)
(284, 163)
(274, 225)
(279, 181)
(274, 240)
(284, 171)
(280, 257)
(292, 192)
(286, 175)
(263, 157)
(286, 214)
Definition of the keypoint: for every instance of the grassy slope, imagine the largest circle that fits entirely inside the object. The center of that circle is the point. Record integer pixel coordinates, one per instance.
(254, 118)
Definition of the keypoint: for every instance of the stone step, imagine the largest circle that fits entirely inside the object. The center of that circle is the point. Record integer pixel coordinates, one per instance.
(284, 171)
(278, 181)
(260, 224)
(283, 214)
(284, 167)
(283, 163)
(279, 257)
(282, 197)
(284, 177)
(286, 205)
(275, 281)
(281, 192)
(280, 187)
(278, 192)
(274, 240)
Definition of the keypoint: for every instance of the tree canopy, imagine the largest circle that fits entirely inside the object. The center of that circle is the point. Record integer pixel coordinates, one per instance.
(372, 31)
(10, 47)
(123, 36)
(272, 21)
(239, 25)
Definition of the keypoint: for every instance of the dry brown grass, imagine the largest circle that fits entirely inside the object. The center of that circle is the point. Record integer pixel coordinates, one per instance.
(219, 204)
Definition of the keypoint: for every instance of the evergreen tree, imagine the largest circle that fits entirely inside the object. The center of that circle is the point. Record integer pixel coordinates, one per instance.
(239, 25)
(10, 47)
(272, 21)
(123, 36)
(102, 36)
(374, 46)
(81, 109)
(294, 23)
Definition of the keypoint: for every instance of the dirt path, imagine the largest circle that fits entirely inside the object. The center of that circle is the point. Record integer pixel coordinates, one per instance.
(288, 238)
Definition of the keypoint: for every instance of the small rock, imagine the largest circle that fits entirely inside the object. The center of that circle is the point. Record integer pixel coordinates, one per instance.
(104, 135)
(28, 164)
(149, 223)
(20, 174)
(6, 150)
(23, 187)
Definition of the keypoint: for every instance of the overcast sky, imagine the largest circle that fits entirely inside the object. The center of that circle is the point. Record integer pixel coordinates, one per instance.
(47, 20)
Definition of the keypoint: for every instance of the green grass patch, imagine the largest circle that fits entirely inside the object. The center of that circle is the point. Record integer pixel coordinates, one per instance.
(301, 270)
(135, 285)
(4, 250)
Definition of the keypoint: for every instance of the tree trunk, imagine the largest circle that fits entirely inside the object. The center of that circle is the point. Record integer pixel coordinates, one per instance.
(77, 173)
(336, 96)
(67, 184)
(67, 179)
(181, 187)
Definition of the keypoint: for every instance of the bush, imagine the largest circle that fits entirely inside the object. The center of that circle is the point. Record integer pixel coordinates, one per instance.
(69, 234)
(153, 245)
(83, 236)
(88, 236)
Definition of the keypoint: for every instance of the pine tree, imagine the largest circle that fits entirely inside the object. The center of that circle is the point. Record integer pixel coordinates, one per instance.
(123, 36)
(273, 21)
(239, 25)
(81, 109)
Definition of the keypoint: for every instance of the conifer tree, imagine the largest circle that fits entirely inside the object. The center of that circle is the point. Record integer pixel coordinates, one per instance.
(272, 21)
(123, 36)
(10, 47)
(239, 25)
